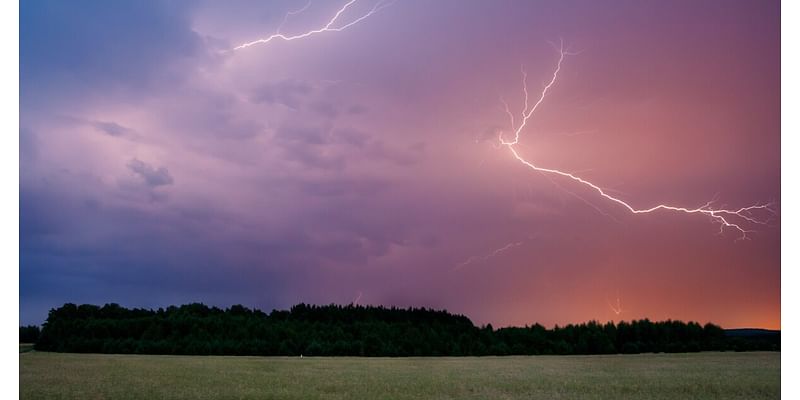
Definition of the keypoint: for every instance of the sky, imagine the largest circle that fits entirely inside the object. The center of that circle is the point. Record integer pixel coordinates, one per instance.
(159, 166)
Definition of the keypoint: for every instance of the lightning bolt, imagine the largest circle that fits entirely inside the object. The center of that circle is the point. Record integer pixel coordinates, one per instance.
(355, 301)
(331, 26)
(727, 218)
(290, 13)
(616, 309)
(483, 258)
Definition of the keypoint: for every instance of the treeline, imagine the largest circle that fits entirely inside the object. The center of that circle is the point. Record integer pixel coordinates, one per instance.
(335, 330)
(29, 334)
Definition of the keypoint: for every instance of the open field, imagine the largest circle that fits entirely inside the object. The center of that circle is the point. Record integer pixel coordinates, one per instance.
(650, 376)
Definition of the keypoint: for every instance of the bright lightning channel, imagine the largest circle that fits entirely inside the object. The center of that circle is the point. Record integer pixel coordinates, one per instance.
(330, 26)
(727, 218)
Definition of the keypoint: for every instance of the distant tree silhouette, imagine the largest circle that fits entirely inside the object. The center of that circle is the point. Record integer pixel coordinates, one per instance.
(29, 334)
(351, 330)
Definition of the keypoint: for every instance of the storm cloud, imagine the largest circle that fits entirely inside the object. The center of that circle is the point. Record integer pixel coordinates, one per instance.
(159, 167)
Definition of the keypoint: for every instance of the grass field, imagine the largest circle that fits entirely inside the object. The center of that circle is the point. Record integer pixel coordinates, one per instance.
(647, 376)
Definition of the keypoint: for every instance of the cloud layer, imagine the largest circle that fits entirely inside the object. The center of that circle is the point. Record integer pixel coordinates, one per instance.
(158, 167)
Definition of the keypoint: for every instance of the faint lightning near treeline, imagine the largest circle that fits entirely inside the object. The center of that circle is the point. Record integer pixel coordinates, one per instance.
(334, 24)
(617, 309)
(475, 259)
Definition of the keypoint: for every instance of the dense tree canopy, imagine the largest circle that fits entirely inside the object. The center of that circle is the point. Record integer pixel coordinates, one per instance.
(29, 334)
(336, 330)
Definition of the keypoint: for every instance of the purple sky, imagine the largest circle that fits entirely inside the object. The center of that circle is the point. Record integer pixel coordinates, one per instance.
(158, 167)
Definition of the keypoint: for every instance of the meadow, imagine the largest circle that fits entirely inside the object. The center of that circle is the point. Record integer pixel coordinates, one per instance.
(712, 375)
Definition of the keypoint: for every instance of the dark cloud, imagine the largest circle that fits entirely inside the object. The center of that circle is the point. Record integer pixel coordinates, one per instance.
(339, 187)
(321, 157)
(87, 46)
(353, 137)
(418, 147)
(290, 93)
(120, 251)
(320, 147)
(310, 146)
(491, 134)
(325, 109)
(379, 150)
(28, 146)
(111, 128)
(201, 116)
(304, 135)
(152, 176)
(357, 109)
(191, 253)
(358, 172)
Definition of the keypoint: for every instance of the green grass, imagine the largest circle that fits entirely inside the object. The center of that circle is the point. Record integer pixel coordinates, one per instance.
(646, 376)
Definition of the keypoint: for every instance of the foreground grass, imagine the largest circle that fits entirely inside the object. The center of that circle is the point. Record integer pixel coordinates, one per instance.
(647, 376)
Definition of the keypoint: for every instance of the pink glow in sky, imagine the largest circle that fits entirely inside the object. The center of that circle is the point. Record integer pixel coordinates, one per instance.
(159, 167)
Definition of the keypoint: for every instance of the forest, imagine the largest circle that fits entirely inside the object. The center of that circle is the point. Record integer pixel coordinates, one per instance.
(355, 330)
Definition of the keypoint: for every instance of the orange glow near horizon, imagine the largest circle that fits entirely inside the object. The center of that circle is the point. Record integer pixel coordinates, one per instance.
(383, 152)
